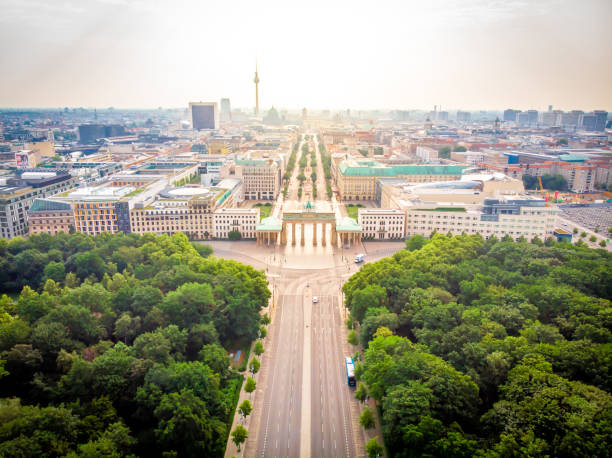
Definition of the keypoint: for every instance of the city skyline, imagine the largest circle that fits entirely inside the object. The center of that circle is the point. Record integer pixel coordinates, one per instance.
(472, 55)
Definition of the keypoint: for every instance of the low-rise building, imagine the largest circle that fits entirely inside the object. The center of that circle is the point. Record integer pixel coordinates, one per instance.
(244, 220)
(516, 217)
(47, 216)
(382, 224)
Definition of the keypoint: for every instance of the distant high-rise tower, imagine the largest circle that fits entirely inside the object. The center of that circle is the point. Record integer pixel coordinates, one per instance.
(226, 110)
(204, 115)
(256, 81)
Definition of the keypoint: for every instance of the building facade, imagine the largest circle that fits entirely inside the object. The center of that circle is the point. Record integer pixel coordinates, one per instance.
(382, 224)
(194, 217)
(50, 217)
(17, 196)
(244, 220)
(261, 178)
(499, 217)
(356, 179)
(204, 116)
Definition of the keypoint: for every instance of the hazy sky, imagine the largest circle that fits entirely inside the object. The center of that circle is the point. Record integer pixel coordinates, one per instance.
(468, 54)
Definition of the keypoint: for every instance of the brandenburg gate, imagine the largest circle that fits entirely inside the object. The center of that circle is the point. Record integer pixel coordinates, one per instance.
(270, 228)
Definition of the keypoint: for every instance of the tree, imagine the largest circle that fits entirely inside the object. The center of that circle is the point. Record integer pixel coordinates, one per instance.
(373, 448)
(361, 393)
(254, 366)
(575, 231)
(602, 244)
(185, 425)
(258, 348)
(245, 408)
(460, 149)
(368, 297)
(234, 235)
(444, 152)
(583, 234)
(563, 141)
(250, 385)
(239, 435)
(353, 338)
(215, 357)
(55, 271)
(416, 242)
(592, 239)
(366, 419)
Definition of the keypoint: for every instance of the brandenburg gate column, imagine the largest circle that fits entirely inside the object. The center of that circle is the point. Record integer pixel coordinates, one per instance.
(334, 235)
(292, 233)
(314, 234)
(324, 228)
(302, 235)
(283, 237)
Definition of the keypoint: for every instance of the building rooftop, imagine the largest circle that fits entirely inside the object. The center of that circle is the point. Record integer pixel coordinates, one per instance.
(46, 205)
(369, 168)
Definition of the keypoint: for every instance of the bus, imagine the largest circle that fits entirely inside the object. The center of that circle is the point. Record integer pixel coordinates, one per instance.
(350, 371)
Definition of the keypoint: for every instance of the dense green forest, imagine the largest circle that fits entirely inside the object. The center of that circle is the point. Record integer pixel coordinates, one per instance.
(488, 348)
(116, 345)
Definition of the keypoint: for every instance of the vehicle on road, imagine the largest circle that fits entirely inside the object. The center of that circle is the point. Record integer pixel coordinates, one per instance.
(359, 258)
(315, 299)
(350, 371)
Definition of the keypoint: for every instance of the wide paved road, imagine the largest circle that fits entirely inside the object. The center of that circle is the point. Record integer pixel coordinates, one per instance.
(279, 427)
(331, 429)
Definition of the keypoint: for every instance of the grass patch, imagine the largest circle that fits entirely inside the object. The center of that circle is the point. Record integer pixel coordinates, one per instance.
(353, 210)
(264, 210)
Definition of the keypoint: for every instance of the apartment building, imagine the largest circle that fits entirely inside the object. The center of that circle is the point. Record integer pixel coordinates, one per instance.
(243, 220)
(382, 224)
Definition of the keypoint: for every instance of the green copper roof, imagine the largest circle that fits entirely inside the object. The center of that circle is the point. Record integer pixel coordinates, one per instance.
(269, 224)
(374, 169)
(572, 158)
(347, 224)
(44, 205)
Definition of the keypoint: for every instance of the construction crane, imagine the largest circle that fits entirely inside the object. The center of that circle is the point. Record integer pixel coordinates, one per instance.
(542, 190)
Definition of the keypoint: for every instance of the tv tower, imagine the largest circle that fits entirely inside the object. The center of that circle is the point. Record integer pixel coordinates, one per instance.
(256, 81)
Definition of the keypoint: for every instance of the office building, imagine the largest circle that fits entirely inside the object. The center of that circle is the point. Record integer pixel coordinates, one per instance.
(464, 116)
(226, 110)
(533, 117)
(185, 209)
(510, 115)
(18, 193)
(595, 121)
(47, 216)
(261, 178)
(91, 133)
(381, 224)
(572, 119)
(356, 179)
(244, 220)
(204, 115)
(516, 217)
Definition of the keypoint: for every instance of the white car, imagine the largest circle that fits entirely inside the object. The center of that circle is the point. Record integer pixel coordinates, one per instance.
(315, 299)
